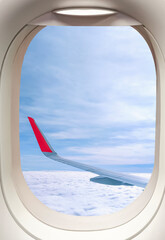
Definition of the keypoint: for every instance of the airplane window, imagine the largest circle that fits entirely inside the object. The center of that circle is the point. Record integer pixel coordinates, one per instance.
(87, 148)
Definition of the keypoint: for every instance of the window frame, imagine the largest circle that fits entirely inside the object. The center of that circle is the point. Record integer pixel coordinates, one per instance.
(33, 215)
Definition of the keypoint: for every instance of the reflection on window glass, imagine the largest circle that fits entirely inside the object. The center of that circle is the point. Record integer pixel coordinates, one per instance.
(91, 91)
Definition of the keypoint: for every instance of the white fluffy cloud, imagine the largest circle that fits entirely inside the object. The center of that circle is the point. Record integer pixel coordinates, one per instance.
(73, 193)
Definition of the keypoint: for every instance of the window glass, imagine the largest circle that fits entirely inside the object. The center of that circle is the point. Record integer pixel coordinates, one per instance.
(91, 91)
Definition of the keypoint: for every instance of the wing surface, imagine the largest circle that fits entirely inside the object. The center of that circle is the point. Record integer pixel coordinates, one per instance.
(49, 152)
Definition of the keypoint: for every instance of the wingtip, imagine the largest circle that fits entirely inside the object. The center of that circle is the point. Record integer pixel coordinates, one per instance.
(30, 118)
(32, 121)
(44, 145)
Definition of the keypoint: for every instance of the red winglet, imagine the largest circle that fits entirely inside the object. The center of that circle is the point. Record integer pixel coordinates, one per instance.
(40, 139)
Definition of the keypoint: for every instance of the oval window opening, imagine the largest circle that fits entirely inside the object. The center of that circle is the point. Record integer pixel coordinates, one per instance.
(90, 93)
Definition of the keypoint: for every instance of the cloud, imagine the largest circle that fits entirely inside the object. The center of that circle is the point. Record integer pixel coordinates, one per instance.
(73, 133)
(73, 193)
(136, 153)
(139, 134)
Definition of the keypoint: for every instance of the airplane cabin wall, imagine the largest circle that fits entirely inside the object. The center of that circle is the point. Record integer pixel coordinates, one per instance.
(13, 16)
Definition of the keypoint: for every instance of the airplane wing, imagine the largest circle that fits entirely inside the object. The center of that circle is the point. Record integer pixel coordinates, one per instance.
(49, 152)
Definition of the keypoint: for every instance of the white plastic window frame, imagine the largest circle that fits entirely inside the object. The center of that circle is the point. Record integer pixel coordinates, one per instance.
(34, 217)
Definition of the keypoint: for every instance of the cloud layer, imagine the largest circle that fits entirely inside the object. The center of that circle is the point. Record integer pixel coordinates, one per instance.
(73, 193)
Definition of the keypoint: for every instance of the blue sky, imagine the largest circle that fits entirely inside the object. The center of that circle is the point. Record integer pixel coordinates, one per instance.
(92, 92)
